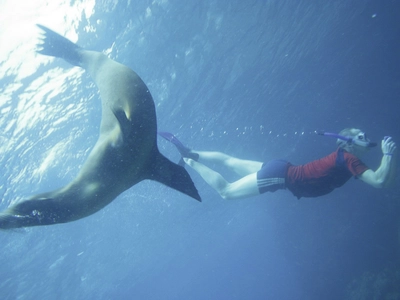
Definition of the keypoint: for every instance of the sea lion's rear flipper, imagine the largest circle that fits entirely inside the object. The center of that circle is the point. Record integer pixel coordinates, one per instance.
(174, 176)
(53, 44)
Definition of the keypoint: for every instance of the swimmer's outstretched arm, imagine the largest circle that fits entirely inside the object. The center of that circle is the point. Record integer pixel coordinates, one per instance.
(385, 174)
(243, 188)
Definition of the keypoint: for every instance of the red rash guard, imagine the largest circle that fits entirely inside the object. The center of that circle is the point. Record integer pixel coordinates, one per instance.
(322, 176)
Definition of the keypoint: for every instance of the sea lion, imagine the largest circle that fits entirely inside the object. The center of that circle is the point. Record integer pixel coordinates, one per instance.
(125, 153)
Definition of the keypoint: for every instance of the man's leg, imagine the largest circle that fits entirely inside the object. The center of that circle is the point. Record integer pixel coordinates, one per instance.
(243, 188)
(239, 166)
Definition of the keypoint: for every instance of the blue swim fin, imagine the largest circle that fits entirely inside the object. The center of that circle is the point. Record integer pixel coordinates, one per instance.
(183, 150)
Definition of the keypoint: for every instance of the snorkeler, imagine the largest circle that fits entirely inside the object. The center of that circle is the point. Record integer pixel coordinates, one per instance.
(313, 179)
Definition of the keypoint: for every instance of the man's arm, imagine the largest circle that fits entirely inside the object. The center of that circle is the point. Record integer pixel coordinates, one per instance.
(385, 174)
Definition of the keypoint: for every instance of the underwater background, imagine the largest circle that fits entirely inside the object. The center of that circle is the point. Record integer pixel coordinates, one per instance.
(253, 79)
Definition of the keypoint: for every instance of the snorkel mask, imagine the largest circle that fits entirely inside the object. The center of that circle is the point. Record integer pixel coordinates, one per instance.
(360, 139)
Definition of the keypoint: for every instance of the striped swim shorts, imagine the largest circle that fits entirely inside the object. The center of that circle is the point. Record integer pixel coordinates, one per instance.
(272, 175)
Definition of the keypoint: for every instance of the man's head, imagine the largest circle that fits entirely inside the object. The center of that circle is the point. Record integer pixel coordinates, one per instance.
(357, 142)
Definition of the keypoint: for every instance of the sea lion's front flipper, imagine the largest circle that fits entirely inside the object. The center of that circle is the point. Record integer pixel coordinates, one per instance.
(124, 123)
(161, 169)
(172, 175)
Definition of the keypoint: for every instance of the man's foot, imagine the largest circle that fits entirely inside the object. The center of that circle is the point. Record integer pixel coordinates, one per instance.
(184, 151)
(189, 161)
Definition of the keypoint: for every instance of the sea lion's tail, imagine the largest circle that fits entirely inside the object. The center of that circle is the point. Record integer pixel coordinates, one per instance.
(174, 176)
(53, 44)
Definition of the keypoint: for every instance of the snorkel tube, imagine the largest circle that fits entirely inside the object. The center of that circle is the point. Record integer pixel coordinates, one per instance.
(350, 140)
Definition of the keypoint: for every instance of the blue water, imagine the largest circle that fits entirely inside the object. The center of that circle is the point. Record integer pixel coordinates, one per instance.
(250, 78)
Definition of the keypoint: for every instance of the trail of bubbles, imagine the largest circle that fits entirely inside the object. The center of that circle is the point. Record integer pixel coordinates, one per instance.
(254, 130)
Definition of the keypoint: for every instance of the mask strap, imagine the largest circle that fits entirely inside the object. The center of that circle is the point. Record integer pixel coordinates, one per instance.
(347, 139)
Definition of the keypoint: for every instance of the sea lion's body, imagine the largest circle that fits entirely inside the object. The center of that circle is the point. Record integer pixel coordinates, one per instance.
(125, 153)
